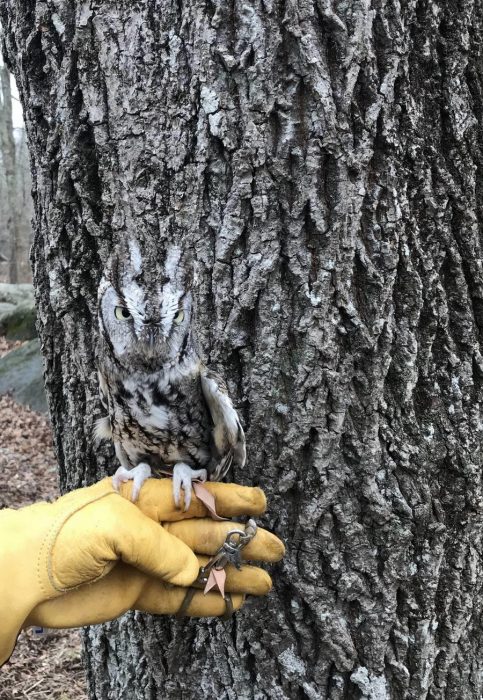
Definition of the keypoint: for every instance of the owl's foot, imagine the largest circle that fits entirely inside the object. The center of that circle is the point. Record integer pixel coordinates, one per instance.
(183, 475)
(138, 475)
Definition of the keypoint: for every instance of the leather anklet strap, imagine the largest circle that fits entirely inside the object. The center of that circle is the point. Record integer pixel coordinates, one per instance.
(182, 612)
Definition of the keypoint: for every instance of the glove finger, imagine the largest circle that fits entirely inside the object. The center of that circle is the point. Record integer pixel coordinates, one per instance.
(249, 580)
(206, 536)
(126, 588)
(157, 502)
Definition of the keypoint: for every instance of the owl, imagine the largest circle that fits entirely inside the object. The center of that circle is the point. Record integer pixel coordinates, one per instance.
(166, 410)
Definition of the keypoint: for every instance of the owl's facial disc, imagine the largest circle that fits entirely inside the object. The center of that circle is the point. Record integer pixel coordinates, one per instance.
(144, 327)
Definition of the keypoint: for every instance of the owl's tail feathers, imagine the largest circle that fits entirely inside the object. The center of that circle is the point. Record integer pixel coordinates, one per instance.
(220, 467)
(102, 429)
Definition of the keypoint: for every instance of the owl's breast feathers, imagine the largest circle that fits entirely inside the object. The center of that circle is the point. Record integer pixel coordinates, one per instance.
(169, 417)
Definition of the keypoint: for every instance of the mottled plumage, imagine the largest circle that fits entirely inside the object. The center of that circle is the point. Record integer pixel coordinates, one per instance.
(166, 409)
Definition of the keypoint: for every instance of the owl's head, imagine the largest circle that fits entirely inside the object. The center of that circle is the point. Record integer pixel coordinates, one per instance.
(145, 308)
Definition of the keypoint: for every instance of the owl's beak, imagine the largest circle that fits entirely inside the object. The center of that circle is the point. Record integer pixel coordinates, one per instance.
(151, 336)
(148, 336)
(150, 332)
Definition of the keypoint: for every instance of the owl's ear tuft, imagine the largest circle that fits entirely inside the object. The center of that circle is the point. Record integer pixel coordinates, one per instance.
(172, 262)
(135, 255)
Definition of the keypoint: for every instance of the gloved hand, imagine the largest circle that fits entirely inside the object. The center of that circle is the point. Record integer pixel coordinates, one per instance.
(93, 554)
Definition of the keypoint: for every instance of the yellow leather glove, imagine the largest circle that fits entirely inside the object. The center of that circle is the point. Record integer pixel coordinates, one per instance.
(93, 554)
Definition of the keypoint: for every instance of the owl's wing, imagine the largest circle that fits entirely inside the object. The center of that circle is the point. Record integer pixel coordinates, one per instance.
(228, 438)
(102, 427)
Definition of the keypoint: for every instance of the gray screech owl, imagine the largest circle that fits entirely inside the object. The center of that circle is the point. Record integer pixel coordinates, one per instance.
(166, 409)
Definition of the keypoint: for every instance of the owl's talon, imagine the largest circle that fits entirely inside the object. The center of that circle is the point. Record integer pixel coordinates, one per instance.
(120, 477)
(187, 494)
(138, 476)
(201, 475)
(183, 475)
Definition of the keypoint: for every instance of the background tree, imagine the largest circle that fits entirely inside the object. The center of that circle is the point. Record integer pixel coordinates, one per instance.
(16, 208)
(23, 208)
(324, 162)
(9, 234)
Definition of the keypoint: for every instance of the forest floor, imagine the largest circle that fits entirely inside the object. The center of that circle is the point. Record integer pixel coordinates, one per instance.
(47, 666)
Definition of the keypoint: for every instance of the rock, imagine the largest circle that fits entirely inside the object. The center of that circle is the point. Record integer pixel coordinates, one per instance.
(16, 293)
(6, 308)
(21, 375)
(17, 311)
(18, 323)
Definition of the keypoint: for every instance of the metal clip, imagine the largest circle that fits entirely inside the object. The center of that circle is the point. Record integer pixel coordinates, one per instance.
(229, 552)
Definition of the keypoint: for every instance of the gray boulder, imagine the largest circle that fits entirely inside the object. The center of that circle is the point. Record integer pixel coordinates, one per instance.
(21, 376)
(16, 293)
(17, 311)
(6, 308)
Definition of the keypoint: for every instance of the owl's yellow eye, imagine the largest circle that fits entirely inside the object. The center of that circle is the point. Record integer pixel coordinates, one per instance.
(121, 313)
(179, 317)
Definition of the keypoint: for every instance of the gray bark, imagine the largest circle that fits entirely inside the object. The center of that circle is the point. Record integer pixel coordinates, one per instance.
(324, 162)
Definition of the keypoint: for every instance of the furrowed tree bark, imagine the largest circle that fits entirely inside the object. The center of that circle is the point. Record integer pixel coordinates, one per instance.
(324, 162)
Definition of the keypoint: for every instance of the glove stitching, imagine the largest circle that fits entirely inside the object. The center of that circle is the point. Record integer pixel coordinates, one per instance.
(49, 541)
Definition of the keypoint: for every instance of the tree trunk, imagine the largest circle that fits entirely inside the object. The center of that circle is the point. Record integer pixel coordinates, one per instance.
(9, 234)
(23, 209)
(324, 162)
